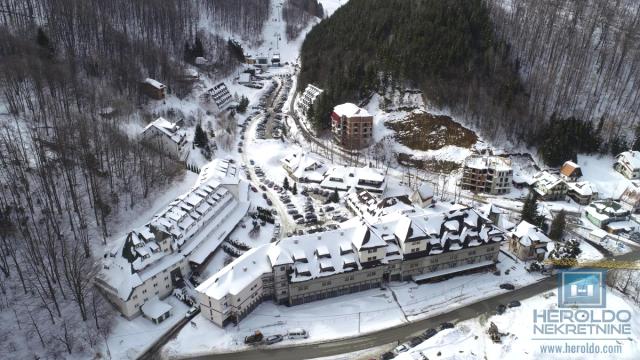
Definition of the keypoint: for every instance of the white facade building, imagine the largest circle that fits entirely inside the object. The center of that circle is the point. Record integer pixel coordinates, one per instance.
(628, 164)
(167, 136)
(343, 178)
(151, 261)
(487, 174)
(307, 99)
(421, 247)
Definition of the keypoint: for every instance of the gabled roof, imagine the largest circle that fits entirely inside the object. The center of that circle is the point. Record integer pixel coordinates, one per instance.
(570, 169)
(528, 233)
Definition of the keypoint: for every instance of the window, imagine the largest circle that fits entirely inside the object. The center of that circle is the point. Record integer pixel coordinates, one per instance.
(144, 291)
(157, 292)
(281, 268)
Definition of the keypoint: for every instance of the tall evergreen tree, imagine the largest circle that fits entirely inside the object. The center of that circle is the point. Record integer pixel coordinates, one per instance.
(200, 138)
(294, 190)
(558, 225)
(529, 211)
(285, 183)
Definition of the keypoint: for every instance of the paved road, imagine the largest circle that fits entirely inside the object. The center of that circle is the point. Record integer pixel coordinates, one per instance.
(400, 333)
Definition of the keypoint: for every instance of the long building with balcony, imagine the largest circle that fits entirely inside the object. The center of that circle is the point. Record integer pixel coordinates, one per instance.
(430, 245)
(487, 174)
(149, 262)
(307, 99)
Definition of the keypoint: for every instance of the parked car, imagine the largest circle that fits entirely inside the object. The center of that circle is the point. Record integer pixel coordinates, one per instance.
(264, 196)
(446, 325)
(415, 341)
(269, 202)
(429, 333)
(507, 286)
(273, 339)
(192, 311)
(514, 303)
(254, 339)
(401, 348)
(297, 216)
(500, 309)
(253, 188)
(292, 211)
(387, 356)
(297, 334)
(252, 162)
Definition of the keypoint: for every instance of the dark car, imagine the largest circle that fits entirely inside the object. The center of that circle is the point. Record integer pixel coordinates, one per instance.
(273, 339)
(507, 286)
(269, 202)
(297, 216)
(514, 303)
(429, 333)
(415, 341)
(263, 188)
(446, 325)
(264, 196)
(500, 309)
(253, 188)
(387, 356)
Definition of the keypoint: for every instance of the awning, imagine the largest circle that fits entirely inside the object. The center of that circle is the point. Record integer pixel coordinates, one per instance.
(418, 278)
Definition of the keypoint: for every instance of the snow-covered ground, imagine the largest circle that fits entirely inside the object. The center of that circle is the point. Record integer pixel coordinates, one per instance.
(129, 339)
(469, 339)
(599, 171)
(352, 314)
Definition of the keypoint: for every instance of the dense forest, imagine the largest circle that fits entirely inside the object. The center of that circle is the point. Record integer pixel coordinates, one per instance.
(298, 13)
(446, 48)
(513, 70)
(70, 73)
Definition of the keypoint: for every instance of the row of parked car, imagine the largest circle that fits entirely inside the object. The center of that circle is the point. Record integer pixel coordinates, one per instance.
(258, 338)
(427, 334)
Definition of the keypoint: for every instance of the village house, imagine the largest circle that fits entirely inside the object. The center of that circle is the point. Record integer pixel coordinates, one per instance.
(307, 99)
(582, 192)
(610, 215)
(631, 196)
(343, 178)
(549, 187)
(628, 164)
(372, 207)
(423, 195)
(153, 89)
(423, 247)
(166, 136)
(151, 261)
(487, 174)
(528, 242)
(570, 171)
(352, 127)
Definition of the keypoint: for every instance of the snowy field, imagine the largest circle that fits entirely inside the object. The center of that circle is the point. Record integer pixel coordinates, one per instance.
(353, 314)
(469, 339)
(129, 339)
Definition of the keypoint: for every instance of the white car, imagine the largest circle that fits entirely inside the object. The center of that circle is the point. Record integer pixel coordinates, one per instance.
(194, 310)
(401, 348)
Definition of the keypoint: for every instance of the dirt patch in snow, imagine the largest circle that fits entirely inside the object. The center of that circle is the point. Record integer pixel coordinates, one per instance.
(425, 131)
(443, 166)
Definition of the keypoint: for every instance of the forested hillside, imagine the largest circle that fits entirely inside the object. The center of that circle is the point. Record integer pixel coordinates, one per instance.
(524, 70)
(446, 48)
(577, 59)
(70, 73)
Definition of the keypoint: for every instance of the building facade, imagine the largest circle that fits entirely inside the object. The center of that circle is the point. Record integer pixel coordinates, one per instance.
(549, 187)
(167, 137)
(302, 269)
(487, 174)
(352, 127)
(628, 164)
(307, 99)
(153, 89)
(528, 242)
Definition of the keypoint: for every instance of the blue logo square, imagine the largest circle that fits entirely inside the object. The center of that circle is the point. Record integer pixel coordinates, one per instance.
(582, 288)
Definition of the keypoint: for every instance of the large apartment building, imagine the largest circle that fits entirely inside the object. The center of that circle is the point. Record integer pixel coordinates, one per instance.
(149, 262)
(431, 244)
(487, 174)
(352, 127)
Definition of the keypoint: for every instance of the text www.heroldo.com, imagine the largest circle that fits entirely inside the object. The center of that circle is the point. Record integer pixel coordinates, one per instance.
(586, 348)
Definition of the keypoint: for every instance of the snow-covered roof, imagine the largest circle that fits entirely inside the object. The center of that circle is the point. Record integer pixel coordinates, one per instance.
(194, 224)
(480, 162)
(582, 188)
(167, 128)
(155, 308)
(234, 277)
(528, 233)
(603, 210)
(155, 83)
(223, 170)
(350, 110)
(546, 180)
(632, 158)
(331, 252)
(304, 165)
(425, 191)
(342, 178)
